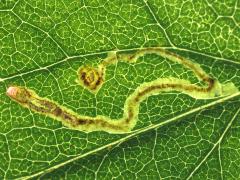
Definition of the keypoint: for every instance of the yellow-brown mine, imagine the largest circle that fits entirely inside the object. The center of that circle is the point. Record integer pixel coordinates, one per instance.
(92, 78)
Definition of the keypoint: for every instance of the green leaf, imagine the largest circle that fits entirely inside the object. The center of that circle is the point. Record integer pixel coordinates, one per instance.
(43, 43)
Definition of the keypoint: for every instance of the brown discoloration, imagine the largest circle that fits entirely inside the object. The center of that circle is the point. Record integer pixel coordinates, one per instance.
(99, 81)
(90, 77)
(130, 115)
(84, 121)
(211, 83)
(115, 127)
(83, 75)
(150, 89)
(131, 57)
(38, 109)
(46, 104)
(70, 119)
(177, 87)
(201, 74)
(57, 111)
(107, 125)
(26, 94)
(67, 116)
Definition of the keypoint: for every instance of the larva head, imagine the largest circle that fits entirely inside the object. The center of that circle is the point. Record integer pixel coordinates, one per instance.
(90, 77)
(19, 94)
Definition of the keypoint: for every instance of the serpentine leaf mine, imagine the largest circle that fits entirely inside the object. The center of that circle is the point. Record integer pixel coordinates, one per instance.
(92, 78)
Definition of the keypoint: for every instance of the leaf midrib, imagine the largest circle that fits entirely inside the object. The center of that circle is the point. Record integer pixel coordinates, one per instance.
(132, 135)
(67, 57)
(45, 68)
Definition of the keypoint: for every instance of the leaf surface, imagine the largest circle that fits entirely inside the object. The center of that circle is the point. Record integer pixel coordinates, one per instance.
(43, 43)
